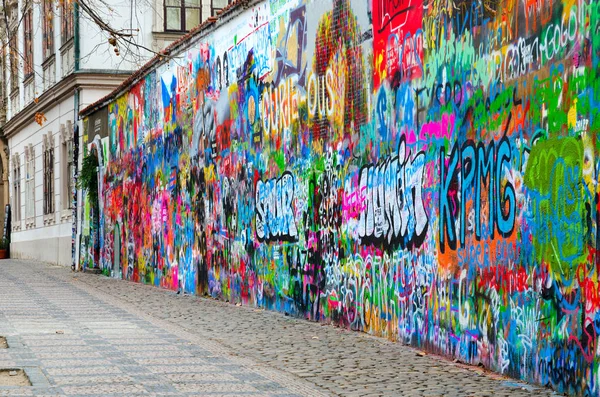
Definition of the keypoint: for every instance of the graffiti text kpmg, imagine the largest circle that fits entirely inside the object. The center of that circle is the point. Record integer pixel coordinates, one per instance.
(274, 211)
(469, 167)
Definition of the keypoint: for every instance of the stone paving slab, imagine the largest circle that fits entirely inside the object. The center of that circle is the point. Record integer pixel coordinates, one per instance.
(176, 345)
(78, 343)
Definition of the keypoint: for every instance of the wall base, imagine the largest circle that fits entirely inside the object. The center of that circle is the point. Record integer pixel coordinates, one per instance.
(56, 250)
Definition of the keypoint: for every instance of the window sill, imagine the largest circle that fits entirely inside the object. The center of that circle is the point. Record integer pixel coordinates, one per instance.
(28, 79)
(49, 219)
(65, 215)
(16, 228)
(168, 35)
(49, 60)
(67, 46)
(30, 223)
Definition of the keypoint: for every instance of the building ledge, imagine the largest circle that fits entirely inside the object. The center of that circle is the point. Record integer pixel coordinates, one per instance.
(49, 59)
(167, 35)
(59, 91)
(67, 46)
(28, 79)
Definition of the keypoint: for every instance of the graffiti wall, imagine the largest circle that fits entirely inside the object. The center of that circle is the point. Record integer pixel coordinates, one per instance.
(422, 170)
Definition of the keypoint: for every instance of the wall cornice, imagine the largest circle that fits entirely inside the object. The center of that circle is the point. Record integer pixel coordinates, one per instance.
(62, 89)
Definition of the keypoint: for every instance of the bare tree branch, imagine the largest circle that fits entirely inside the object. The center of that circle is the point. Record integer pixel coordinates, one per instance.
(124, 36)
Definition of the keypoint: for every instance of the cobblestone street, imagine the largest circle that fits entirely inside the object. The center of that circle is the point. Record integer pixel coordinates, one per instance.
(83, 334)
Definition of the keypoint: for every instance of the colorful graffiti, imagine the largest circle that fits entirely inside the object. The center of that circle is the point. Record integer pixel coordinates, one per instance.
(421, 170)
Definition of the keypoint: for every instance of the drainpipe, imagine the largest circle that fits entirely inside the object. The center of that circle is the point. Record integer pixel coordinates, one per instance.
(75, 229)
(76, 34)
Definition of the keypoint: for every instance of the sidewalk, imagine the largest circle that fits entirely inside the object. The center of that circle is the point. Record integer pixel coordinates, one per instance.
(132, 339)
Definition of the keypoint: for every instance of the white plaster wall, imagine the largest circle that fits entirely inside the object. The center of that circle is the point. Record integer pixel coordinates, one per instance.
(51, 243)
(97, 53)
(91, 95)
(27, 242)
(52, 250)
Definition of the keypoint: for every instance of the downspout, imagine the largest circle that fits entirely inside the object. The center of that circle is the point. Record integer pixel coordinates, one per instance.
(75, 229)
(76, 35)
(75, 194)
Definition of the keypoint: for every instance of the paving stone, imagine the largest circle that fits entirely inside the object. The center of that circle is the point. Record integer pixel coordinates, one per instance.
(127, 339)
(82, 344)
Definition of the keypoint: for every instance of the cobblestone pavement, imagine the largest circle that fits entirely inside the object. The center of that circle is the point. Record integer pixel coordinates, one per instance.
(122, 338)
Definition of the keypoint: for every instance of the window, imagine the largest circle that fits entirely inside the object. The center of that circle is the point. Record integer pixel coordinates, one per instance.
(48, 26)
(2, 75)
(29, 182)
(28, 40)
(48, 174)
(66, 28)
(14, 63)
(218, 5)
(16, 199)
(68, 166)
(182, 15)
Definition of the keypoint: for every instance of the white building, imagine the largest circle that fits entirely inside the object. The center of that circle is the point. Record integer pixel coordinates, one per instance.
(55, 61)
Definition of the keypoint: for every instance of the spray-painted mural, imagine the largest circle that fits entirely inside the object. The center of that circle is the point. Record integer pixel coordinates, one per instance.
(422, 170)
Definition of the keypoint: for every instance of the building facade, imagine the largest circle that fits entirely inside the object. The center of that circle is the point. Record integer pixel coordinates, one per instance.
(55, 60)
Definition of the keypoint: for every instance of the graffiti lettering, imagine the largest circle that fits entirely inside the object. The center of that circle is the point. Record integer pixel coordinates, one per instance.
(274, 212)
(394, 210)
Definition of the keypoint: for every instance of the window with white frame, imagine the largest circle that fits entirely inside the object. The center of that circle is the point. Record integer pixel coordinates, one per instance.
(29, 182)
(68, 166)
(16, 185)
(48, 174)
